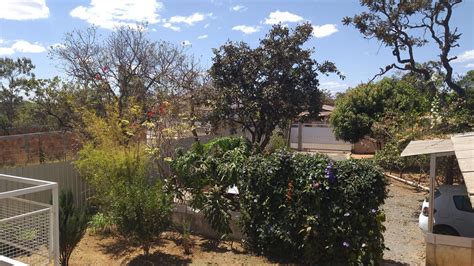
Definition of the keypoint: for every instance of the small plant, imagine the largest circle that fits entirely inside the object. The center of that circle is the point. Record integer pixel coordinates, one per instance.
(186, 237)
(72, 226)
(277, 142)
(101, 223)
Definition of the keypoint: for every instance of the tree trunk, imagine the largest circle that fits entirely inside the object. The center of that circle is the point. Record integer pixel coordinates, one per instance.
(449, 173)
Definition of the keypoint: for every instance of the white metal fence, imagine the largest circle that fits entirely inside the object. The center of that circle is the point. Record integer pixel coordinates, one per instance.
(29, 229)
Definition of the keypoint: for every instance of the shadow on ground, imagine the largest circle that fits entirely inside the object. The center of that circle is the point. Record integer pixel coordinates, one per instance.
(159, 258)
(393, 263)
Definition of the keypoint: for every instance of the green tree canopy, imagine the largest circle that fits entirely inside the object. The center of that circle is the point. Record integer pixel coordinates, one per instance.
(260, 88)
(377, 110)
(16, 81)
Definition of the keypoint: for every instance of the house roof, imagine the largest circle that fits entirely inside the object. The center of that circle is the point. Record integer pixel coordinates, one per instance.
(462, 145)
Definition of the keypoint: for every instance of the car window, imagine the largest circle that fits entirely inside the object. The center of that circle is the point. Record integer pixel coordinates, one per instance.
(463, 203)
(436, 195)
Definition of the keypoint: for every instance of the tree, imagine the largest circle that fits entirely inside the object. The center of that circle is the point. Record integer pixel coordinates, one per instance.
(56, 100)
(126, 67)
(401, 25)
(16, 81)
(72, 226)
(264, 87)
(379, 110)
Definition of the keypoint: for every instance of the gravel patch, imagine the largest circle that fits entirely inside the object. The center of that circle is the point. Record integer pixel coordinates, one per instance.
(403, 237)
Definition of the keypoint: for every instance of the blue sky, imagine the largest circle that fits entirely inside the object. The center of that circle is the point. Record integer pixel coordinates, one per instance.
(29, 27)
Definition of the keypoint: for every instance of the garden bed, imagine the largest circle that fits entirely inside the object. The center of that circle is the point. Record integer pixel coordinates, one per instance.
(403, 238)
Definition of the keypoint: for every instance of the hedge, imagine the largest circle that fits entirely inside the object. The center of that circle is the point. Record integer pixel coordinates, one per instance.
(310, 209)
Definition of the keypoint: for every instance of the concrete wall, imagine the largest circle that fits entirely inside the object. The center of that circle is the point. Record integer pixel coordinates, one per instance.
(318, 137)
(449, 250)
(200, 226)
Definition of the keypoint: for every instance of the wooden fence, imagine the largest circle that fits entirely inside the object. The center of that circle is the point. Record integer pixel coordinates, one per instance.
(63, 173)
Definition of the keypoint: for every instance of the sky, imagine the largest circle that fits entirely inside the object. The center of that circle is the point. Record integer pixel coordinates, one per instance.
(29, 27)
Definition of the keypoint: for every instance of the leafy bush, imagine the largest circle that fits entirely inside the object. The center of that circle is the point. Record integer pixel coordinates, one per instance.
(389, 158)
(142, 211)
(127, 192)
(312, 210)
(72, 226)
(206, 172)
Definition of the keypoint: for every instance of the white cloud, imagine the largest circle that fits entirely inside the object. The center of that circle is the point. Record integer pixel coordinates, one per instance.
(185, 43)
(23, 10)
(6, 51)
(246, 29)
(471, 65)
(170, 26)
(238, 8)
(22, 46)
(207, 25)
(282, 17)
(190, 20)
(320, 31)
(203, 36)
(465, 57)
(334, 86)
(112, 13)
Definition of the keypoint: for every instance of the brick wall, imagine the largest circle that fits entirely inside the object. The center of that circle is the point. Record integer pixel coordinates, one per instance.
(37, 148)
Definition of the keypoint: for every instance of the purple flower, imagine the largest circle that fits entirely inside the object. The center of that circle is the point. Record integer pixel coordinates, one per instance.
(329, 173)
(374, 210)
(345, 244)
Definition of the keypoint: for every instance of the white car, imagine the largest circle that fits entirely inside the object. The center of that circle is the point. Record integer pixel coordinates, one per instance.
(453, 213)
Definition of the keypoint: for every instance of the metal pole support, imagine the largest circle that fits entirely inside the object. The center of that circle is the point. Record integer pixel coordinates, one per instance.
(432, 189)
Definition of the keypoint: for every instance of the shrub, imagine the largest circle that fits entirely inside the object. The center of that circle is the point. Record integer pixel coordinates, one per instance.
(206, 172)
(141, 211)
(72, 226)
(389, 158)
(312, 210)
(277, 142)
(105, 169)
(127, 192)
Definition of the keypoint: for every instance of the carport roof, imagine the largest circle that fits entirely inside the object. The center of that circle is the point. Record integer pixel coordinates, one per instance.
(419, 147)
(463, 147)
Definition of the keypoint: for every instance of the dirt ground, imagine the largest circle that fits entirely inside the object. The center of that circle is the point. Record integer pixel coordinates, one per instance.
(403, 238)
(97, 250)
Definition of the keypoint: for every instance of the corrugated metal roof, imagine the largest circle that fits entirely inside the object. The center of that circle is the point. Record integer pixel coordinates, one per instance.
(464, 150)
(418, 147)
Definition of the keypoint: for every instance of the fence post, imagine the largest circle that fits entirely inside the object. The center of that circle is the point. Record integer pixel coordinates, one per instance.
(300, 136)
(55, 224)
